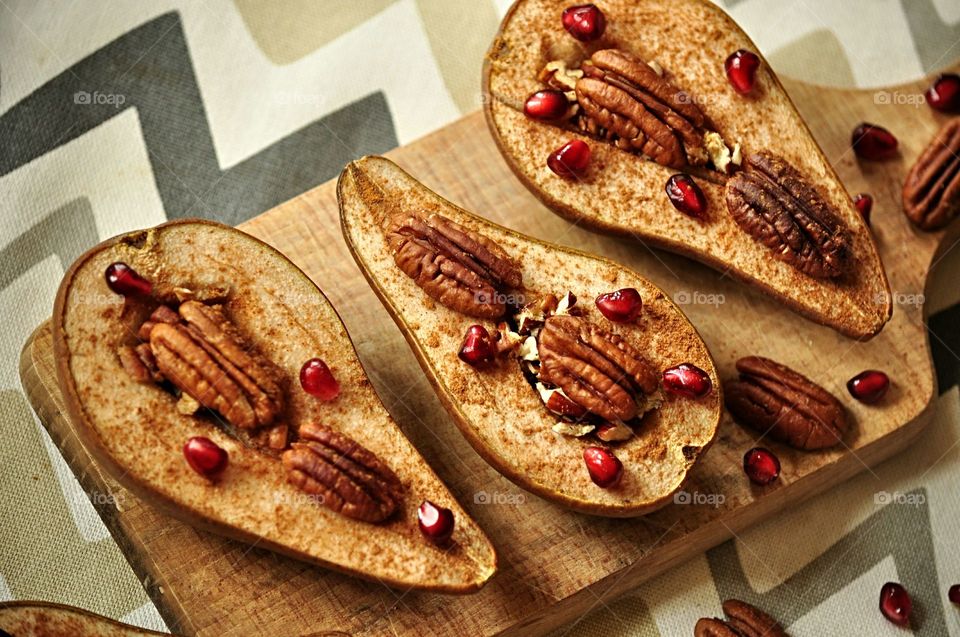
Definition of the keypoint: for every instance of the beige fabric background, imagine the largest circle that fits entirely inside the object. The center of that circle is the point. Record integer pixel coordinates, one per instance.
(265, 72)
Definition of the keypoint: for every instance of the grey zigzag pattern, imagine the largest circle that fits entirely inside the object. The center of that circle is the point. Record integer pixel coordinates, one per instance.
(899, 531)
(150, 67)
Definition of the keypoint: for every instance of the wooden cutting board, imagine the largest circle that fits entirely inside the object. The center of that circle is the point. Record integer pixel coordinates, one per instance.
(554, 565)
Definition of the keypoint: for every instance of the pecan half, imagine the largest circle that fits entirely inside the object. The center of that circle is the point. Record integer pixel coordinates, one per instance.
(931, 193)
(623, 99)
(779, 208)
(205, 357)
(461, 269)
(775, 400)
(349, 478)
(596, 369)
(743, 620)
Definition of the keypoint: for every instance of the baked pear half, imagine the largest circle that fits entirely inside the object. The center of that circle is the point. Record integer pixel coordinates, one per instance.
(620, 116)
(573, 376)
(208, 375)
(44, 619)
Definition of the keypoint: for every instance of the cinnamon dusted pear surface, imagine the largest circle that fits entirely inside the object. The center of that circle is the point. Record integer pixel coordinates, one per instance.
(674, 94)
(556, 395)
(201, 393)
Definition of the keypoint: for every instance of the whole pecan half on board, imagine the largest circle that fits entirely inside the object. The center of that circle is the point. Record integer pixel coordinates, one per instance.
(460, 268)
(778, 206)
(789, 407)
(931, 192)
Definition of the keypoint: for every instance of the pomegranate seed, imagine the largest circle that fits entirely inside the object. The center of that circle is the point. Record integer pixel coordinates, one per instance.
(741, 67)
(864, 204)
(570, 160)
(436, 522)
(205, 457)
(317, 380)
(761, 466)
(873, 142)
(895, 603)
(546, 105)
(476, 349)
(688, 380)
(604, 467)
(622, 306)
(954, 594)
(869, 386)
(944, 94)
(686, 196)
(585, 22)
(560, 404)
(123, 279)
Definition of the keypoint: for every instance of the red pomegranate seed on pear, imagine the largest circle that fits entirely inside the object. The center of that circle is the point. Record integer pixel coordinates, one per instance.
(585, 22)
(954, 594)
(604, 467)
(869, 386)
(761, 466)
(741, 67)
(873, 142)
(205, 457)
(686, 196)
(621, 306)
(895, 603)
(436, 522)
(560, 404)
(687, 380)
(944, 94)
(864, 204)
(570, 160)
(123, 279)
(546, 105)
(477, 348)
(317, 380)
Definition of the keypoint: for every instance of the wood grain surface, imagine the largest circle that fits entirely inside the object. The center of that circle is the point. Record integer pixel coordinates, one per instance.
(555, 565)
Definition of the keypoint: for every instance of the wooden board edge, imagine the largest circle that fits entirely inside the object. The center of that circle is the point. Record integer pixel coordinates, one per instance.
(93, 482)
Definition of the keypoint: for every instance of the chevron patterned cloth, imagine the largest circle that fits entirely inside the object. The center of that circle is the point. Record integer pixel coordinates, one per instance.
(116, 115)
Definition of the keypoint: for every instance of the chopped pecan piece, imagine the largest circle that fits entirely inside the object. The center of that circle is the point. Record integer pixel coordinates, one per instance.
(623, 99)
(774, 399)
(931, 193)
(596, 369)
(780, 209)
(349, 478)
(743, 620)
(461, 269)
(132, 364)
(206, 358)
